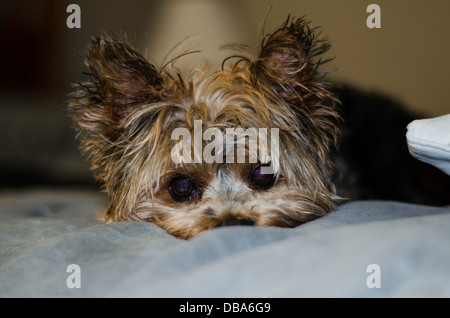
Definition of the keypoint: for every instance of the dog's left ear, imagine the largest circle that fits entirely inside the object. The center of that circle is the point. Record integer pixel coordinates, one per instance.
(287, 66)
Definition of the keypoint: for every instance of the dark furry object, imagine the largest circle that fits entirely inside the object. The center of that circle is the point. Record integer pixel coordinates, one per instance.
(373, 161)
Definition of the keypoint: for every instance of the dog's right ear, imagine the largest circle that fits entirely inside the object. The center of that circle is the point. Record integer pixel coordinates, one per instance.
(120, 81)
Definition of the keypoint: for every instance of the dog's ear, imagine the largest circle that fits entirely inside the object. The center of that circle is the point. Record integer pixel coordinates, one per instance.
(120, 81)
(288, 67)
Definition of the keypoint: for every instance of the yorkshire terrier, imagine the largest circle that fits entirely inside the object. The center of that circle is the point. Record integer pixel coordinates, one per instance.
(128, 111)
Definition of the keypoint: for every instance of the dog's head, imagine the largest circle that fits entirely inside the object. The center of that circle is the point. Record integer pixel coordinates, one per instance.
(162, 143)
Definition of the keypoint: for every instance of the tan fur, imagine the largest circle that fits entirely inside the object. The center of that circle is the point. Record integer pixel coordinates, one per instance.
(127, 110)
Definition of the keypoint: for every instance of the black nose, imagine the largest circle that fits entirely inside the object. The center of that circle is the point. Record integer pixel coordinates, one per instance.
(237, 221)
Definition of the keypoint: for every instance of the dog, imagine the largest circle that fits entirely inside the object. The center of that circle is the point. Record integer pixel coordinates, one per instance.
(127, 111)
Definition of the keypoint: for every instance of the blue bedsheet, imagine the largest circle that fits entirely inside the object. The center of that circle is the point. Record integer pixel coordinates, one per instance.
(43, 232)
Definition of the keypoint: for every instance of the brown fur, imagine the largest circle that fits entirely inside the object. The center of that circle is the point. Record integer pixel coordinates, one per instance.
(127, 110)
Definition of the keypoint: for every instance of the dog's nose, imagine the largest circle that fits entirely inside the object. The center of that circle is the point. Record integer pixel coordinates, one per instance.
(238, 221)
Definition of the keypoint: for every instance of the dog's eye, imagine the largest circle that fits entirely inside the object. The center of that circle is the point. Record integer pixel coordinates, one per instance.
(181, 187)
(261, 180)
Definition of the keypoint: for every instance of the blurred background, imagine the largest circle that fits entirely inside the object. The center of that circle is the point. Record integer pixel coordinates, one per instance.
(406, 59)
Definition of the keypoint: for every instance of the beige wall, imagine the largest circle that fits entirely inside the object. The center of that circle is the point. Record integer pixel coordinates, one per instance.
(407, 58)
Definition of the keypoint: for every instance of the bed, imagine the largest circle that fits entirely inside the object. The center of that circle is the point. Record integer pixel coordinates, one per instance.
(363, 249)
